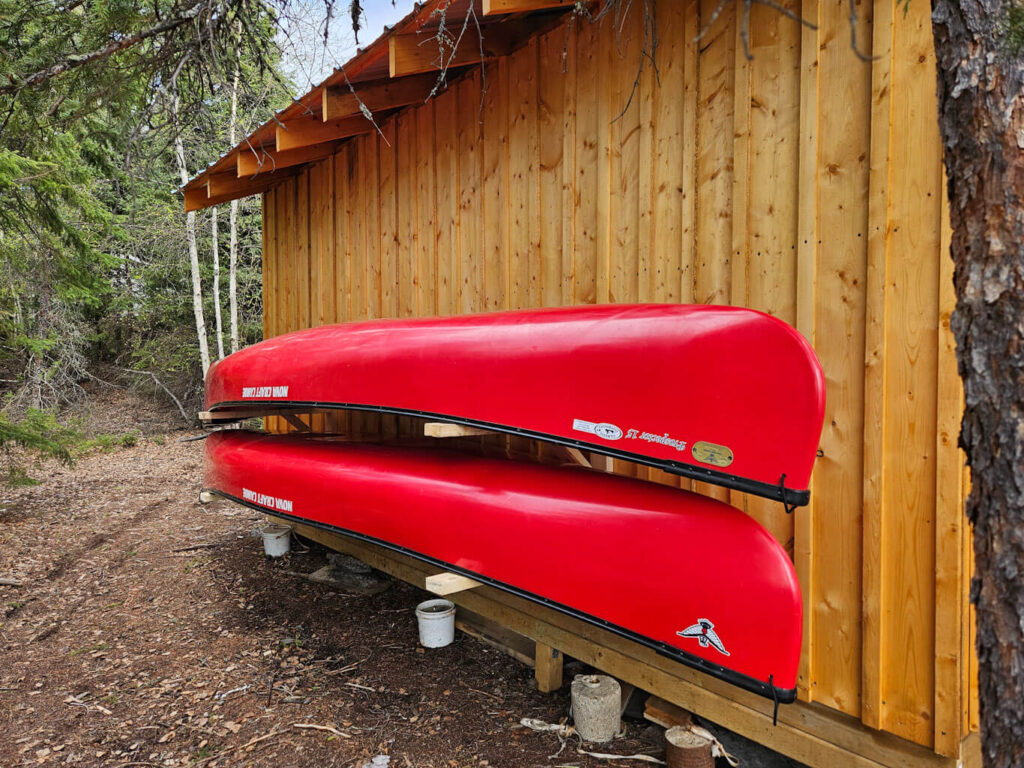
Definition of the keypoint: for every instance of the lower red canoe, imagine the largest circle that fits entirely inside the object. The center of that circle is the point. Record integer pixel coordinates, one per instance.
(722, 394)
(691, 577)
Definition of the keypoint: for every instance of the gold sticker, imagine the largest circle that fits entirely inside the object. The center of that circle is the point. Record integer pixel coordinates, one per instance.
(709, 453)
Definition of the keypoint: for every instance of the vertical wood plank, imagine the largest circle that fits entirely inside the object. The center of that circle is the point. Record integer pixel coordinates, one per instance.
(269, 267)
(424, 235)
(522, 254)
(495, 180)
(470, 166)
(806, 278)
(446, 190)
(551, 110)
(874, 373)
(586, 189)
(765, 244)
(949, 513)
(570, 99)
(911, 367)
(714, 212)
(714, 156)
(405, 213)
(841, 200)
(372, 216)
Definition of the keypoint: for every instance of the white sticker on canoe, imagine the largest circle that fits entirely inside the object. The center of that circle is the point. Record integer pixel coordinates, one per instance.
(704, 633)
(601, 429)
(266, 500)
(280, 391)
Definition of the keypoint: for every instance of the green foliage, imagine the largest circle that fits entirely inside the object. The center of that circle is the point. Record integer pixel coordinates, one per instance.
(39, 431)
(1015, 29)
(105, 443)
(93, 256)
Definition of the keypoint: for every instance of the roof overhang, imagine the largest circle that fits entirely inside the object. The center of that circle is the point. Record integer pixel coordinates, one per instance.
(400, 68)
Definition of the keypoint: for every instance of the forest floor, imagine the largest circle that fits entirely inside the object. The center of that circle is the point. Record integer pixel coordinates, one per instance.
(150, 630)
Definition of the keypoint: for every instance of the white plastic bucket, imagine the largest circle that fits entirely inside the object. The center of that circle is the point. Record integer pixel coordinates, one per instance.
(436, 619)
(277, 540)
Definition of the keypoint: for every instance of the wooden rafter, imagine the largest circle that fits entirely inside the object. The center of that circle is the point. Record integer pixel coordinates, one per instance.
(310, 131)
(339, 101)
(199, 197)
(493, 7)
(412, 54)
(260, 160)
(228, 183)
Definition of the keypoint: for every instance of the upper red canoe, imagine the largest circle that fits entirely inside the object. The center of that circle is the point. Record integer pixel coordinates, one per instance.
(691, 577)
(722, 394)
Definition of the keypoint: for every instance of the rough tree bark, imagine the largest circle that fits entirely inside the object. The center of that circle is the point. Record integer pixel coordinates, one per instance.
(233, 228)
(216, 283)
(193, 250)
(981, 117)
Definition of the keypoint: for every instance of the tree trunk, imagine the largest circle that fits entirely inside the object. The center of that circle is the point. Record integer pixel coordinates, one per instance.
(233, 228)
(193, 250)
(981, 117)
(216, 283)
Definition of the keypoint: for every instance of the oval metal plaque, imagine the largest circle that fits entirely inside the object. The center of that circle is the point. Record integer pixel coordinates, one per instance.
(710, 453)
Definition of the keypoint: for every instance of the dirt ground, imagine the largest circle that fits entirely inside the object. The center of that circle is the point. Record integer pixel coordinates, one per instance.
(151, 631)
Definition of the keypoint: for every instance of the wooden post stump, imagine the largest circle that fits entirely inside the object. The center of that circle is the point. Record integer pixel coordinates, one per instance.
(547, 668)
(686, 749)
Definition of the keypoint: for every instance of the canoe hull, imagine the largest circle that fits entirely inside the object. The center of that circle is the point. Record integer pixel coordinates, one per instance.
(721, 394)
(695, 579)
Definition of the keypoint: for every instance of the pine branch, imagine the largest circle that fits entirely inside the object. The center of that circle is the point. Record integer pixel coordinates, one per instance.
(73, 62)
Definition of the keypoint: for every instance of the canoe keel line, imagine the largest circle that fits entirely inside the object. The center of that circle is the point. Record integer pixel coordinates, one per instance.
(694, 579)
(724, 395)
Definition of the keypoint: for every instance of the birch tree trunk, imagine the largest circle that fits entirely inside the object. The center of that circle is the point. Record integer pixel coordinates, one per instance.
(193, 251)
(981, 117)
(216, 283)
(233, 229)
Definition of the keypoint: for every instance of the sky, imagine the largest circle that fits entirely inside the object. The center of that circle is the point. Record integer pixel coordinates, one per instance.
(306, 59)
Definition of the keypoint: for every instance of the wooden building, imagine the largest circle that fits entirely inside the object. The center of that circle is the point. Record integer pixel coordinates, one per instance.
(804, 180)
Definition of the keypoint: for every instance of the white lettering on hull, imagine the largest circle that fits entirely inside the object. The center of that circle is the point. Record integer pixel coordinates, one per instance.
(266, 500)
(264, 392)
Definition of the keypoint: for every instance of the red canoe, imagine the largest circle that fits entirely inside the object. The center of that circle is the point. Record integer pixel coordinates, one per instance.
(693, 578)
(722, 394)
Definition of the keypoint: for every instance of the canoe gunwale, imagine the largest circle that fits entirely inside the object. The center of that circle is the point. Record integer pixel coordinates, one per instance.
(759, 687)
(790, 497)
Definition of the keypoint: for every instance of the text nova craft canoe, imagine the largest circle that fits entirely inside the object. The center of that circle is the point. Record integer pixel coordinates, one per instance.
(722, 394)
(691, 577)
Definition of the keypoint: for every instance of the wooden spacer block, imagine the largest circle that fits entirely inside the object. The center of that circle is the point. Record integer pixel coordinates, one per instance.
(205, 497)
(449, 583)
(547, 668)
(444, 429)
(666, 714)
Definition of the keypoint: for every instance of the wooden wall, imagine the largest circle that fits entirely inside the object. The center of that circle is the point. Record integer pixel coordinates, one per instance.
(804, 182)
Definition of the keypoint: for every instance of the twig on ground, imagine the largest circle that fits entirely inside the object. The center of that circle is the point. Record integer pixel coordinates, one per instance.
(361, 687)
(608, 756)
(328, 728)
(195, 547)
(252, 742)
(6, 581)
